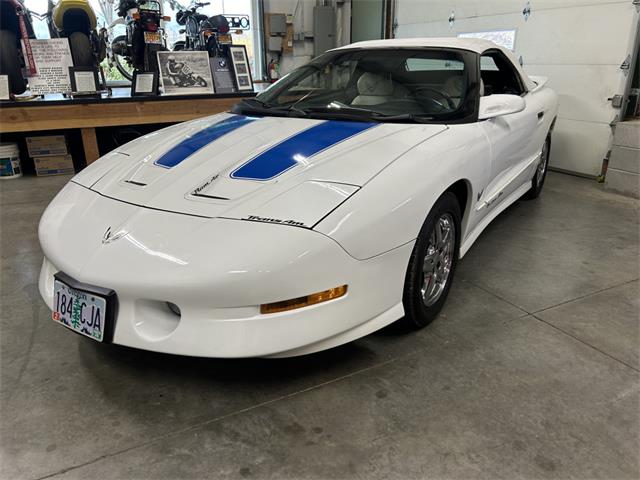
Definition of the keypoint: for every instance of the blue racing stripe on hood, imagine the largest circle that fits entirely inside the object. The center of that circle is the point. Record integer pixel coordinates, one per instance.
(198, 140)
(298, 148)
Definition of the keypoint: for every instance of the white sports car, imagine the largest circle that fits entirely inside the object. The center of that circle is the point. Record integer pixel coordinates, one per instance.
(334, 203)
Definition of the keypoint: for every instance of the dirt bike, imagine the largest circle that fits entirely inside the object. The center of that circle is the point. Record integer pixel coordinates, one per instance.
(76, 20)
(15, 25)
(136, 50)
(186, 78)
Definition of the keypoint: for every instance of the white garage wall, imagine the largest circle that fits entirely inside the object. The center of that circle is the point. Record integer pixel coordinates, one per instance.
(578, 44)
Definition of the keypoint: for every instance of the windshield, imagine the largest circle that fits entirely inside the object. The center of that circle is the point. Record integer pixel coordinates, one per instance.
(384, 84)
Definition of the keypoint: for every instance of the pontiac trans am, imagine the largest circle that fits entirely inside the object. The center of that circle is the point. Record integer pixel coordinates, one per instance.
(332, 204)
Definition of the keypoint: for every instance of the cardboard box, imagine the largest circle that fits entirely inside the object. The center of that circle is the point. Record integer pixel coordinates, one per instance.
(46, 145)
(53, 165)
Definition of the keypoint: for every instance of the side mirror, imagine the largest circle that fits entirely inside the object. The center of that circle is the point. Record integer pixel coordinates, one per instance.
(498, 105)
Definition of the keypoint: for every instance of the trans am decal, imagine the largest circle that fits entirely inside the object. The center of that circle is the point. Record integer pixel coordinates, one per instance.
(256, 218)
(298, 149)
(198, 140)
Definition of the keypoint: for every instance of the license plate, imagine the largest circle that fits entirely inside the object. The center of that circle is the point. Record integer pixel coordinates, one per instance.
(224, 38)
(81, 311)
(152, 37)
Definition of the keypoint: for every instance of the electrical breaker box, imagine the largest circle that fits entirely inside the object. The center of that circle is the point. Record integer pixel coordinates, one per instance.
(324, 29)
(277, 23)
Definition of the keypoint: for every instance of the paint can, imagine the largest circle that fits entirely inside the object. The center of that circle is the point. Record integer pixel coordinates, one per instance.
(9, 161)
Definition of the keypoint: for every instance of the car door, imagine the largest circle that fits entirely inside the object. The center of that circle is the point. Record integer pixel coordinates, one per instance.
(512, 138)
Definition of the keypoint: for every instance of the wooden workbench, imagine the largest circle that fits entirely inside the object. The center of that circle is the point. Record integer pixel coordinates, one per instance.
(87, 114)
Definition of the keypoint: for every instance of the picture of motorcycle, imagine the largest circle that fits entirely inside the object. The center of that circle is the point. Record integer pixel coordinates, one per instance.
(15, 25)
(181, 74)
(136, 49)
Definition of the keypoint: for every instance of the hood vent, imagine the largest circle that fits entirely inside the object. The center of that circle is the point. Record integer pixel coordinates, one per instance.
(137, 184)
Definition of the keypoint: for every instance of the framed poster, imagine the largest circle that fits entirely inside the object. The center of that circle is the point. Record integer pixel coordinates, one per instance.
(185, 72)
(241, 68)
(4, 88)
(84, 80)
(144, 84)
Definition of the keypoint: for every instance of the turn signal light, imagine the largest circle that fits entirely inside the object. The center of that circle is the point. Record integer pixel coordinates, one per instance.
(305, 301)
(166, 18)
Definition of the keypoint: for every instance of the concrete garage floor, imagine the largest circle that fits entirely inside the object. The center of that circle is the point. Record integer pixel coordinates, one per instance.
(532, 371)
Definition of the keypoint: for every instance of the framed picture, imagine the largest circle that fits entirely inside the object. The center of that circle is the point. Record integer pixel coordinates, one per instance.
(144, 84)
(185, 72)
(5, 92)
(84, 80)
(241, 67)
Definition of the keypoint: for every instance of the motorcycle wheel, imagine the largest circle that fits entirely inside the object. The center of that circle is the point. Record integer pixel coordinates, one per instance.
(150, 57)
(10, 61)
(122, 63)
(201, 82)
(81, 50)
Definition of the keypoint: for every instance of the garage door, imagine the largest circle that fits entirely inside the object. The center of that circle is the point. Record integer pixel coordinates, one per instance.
(579, 44)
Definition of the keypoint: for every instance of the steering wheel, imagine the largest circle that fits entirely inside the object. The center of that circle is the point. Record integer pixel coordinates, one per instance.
(451, 104)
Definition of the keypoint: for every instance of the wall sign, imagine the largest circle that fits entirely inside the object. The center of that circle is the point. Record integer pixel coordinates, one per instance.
(53, 59)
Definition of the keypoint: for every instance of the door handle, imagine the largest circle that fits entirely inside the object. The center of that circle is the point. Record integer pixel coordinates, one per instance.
(540, 115)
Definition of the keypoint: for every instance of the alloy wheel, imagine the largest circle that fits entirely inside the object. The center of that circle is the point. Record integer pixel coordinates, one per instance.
(438, 259)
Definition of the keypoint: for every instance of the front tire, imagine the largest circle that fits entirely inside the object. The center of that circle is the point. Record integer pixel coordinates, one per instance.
(432, 264)
(81, 50)
(537, 182)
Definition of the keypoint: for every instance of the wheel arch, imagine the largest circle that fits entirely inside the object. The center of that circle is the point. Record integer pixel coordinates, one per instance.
(462, 190)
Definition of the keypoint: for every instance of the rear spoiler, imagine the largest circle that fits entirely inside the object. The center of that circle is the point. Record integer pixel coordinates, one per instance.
(539, 81)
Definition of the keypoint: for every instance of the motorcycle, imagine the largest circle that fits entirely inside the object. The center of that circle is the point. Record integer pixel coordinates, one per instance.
(202, 33)
(15, 25)
(136, 50)
(76, 20)
(181, 75)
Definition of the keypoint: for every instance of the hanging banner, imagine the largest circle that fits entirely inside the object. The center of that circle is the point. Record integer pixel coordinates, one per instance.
(53, 59)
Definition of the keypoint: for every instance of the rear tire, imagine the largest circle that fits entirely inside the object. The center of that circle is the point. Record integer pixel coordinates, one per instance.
(537, 182)
(81, 50)
(10, 62)
(432, 264)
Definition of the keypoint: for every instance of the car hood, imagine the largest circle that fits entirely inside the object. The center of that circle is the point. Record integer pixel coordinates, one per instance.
(275, 169)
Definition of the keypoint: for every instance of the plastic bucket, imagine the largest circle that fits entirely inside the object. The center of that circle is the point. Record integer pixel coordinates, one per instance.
(9, 161)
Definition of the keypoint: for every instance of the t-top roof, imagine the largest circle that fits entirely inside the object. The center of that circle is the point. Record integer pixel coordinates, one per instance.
(477, 45)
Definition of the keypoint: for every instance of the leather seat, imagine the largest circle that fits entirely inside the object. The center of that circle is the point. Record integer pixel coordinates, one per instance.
(373, 89)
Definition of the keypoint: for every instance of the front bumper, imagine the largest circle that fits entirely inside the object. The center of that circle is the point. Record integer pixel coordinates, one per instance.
(218, 272)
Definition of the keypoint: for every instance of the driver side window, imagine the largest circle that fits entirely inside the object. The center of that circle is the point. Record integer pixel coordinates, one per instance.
(498, 75)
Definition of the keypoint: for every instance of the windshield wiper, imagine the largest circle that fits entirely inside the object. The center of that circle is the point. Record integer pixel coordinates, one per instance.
(414, 117)
(342, 109)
